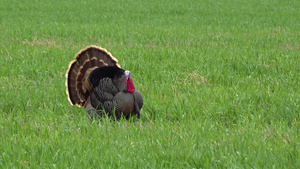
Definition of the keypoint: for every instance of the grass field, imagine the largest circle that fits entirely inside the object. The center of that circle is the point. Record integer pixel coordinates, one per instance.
(220, 81)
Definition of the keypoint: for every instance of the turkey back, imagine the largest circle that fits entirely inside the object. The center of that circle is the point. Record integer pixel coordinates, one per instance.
(78, 86)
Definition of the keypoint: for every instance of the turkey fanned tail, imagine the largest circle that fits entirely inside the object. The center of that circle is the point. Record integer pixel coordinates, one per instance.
(87, 60)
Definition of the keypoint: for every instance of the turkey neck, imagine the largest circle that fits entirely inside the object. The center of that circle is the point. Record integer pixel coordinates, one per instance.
(130, 85)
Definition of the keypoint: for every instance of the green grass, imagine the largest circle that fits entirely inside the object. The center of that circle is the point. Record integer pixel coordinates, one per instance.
(220, 81)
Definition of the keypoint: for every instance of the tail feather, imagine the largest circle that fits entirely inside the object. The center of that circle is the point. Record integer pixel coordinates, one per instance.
(88, 59)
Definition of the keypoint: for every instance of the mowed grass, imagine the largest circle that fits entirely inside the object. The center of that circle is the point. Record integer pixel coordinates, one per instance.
(220, 81)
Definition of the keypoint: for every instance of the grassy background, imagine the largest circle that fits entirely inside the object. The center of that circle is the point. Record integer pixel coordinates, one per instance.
(220, 80)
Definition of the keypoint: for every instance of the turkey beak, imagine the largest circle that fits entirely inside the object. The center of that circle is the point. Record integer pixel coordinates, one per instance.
(127, 74)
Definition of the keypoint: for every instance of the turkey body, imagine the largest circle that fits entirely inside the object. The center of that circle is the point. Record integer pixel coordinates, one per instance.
(96, 82)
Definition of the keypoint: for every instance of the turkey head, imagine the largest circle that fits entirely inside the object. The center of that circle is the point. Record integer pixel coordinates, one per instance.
(95, 81)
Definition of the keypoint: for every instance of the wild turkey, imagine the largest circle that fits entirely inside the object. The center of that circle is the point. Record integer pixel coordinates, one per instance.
(95, 81)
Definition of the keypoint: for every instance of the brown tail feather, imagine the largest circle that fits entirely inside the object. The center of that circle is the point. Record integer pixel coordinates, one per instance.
(78, 72)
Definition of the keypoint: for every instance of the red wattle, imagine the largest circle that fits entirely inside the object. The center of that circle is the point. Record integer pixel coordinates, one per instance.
(130, 85)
